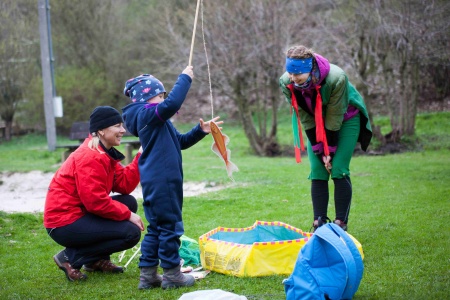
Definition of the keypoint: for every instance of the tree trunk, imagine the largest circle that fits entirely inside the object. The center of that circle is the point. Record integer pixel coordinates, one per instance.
(262, 144)
(412, 107)
(393, 101)
(8, 130)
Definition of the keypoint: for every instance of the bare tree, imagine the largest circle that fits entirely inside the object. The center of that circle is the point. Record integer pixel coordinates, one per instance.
(245, 43)
(397, 49)
(16, 52)
(392, 44)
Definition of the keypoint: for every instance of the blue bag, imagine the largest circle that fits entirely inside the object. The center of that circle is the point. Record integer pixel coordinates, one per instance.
(329, 266)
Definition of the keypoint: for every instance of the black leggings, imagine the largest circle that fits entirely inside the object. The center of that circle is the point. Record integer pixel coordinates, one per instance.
(342, 198)
(92, 238)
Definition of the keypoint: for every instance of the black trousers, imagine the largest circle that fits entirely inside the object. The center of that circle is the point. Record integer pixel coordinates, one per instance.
(92, 238)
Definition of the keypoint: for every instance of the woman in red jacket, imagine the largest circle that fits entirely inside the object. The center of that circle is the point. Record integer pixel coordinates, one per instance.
(79, 212)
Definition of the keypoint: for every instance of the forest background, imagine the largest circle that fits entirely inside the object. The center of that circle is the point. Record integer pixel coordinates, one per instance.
(395, 52)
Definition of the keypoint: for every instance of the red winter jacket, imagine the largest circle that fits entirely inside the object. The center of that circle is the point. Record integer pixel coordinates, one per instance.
(83, 184)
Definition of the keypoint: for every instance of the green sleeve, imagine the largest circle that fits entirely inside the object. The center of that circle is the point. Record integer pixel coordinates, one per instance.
(284, 80)
(337, 104)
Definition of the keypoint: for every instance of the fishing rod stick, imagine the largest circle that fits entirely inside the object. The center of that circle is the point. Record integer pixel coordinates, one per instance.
(193, 33)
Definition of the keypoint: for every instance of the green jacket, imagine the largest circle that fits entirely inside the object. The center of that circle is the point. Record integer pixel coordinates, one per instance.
(337, 94)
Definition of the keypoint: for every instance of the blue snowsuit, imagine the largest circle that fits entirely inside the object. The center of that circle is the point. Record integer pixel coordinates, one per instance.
(160, 167)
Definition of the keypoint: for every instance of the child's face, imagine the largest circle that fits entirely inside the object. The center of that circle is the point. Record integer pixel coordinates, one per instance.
(157, 99)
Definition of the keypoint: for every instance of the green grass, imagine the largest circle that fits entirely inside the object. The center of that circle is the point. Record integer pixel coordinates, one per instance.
(400, 213)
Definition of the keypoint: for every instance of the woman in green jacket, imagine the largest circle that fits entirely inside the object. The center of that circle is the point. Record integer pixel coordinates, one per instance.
(334, 117)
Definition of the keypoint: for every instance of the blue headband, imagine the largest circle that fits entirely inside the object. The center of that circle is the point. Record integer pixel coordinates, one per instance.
(299, 65)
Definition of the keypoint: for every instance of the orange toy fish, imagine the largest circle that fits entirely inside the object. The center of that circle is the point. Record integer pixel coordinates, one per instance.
(220, 148)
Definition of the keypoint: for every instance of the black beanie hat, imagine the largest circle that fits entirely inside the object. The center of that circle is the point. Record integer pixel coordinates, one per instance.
(102, 117)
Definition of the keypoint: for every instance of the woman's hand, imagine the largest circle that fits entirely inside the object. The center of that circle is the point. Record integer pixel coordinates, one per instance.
(206, 125)
(136, 220)
(327, 162)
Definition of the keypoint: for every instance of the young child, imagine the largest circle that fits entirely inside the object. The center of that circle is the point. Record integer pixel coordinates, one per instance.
(160, 166)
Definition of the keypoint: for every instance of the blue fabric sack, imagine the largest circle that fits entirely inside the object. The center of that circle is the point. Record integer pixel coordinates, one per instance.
(329, 266)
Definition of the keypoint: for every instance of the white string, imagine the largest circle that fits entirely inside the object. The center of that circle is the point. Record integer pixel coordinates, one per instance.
(207, 64)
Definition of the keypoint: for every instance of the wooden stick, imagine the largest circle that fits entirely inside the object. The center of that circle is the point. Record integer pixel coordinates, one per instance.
(131, 258)
(193, 33)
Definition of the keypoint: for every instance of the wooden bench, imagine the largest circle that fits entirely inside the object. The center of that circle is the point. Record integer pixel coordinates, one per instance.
(80, 131)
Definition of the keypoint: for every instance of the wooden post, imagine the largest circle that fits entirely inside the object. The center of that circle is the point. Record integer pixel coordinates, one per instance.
(128, 153)
(46, 74)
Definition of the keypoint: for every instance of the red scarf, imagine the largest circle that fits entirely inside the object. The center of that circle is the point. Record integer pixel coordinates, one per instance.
(320, 128)
(321, 136)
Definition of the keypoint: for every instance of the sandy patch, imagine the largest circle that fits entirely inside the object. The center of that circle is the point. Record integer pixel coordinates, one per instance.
(25, 192)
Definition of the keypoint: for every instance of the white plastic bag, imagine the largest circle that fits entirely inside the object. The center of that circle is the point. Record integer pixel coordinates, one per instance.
(216, 294)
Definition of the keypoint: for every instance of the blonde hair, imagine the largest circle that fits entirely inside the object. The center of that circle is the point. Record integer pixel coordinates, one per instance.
(94, 143)
(299, 52)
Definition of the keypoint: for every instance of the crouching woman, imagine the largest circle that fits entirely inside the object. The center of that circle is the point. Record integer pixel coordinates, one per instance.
(80, 214)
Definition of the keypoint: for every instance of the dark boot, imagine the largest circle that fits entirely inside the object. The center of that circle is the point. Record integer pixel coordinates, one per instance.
(319, 222)
(341, 224)
(173, 278)
(72, 274)
(103, 265)
(149, 278)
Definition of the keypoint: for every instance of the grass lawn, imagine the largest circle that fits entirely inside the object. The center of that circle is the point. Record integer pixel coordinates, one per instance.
(400, 212)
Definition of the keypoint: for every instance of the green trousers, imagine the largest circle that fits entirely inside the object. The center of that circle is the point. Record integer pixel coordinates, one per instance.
(348, 137)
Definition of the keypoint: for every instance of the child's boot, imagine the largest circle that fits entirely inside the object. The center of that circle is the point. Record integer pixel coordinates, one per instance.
(173, 278)
(149, 278)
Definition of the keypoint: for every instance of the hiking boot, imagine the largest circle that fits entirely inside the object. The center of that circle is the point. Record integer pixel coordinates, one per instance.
(62, 261)
(319, 222)
(341, 224)
(103, 265)
(149, 278)
(173, 278)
